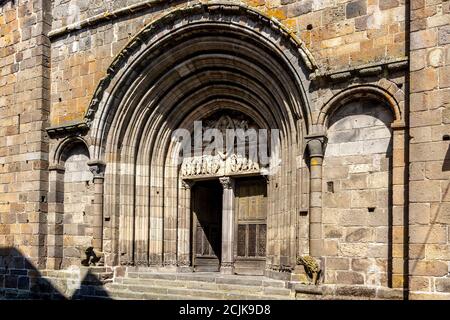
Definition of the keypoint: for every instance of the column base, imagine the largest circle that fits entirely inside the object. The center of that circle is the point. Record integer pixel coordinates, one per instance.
(227, 269)
(185, 269)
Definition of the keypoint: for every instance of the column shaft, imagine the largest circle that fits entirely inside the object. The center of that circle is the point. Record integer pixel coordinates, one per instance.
(227, 259)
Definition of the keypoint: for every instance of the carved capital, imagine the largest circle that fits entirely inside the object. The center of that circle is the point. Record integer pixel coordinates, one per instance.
(97, 168)
(187, 184)
(227, 182)
(316, 145)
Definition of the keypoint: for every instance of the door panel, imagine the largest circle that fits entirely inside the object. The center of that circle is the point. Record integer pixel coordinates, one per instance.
(207, 222)
(251, 229)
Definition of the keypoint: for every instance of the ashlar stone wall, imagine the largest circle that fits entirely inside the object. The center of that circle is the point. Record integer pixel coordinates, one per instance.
(78, 197)
(356, 193)
(429, 192)
(24, 110)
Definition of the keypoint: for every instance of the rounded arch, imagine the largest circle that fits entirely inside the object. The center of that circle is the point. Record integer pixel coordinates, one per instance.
(63, 148)
(373, 92)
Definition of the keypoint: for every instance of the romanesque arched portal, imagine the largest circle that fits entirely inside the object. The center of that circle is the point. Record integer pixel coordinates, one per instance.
(205, 61)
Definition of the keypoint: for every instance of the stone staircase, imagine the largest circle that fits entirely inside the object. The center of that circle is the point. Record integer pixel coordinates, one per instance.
(196, 286)
(152, 284)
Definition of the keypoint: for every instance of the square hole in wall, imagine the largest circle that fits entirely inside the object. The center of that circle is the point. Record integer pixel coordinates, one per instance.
(330, 186)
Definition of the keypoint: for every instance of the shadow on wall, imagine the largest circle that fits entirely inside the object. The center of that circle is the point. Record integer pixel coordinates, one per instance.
(446, 164)
(20, 280)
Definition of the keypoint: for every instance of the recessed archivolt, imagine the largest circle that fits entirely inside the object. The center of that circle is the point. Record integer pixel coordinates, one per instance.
(181, 69)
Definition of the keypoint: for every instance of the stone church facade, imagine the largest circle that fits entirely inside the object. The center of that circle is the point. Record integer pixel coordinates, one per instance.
(91, 93)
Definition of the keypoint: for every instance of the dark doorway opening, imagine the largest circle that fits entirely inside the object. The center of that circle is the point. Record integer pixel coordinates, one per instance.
(207, 226)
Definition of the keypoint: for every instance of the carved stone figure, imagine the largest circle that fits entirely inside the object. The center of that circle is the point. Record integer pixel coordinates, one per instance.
(92, 258)
(312, 268)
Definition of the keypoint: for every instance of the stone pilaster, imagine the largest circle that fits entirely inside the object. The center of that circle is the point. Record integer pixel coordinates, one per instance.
(227, 259)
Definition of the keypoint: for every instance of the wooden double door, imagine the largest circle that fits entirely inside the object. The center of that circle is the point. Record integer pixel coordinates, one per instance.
(250, 225)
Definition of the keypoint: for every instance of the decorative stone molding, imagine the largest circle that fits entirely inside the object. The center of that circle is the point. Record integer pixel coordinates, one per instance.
(361, 71)
(77, 128)
(102, 17)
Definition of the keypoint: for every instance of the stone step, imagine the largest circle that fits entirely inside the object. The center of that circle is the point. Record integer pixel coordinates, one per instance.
(198, 293)
(137, 291)
(150, 275)
(170, 283)
(210, 277)
(278, 291)
(240, 280)
(197, 285)
(127, 295)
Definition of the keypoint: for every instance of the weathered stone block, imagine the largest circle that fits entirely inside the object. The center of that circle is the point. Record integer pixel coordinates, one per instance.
(423, 39)
(359, 235)
(419, 213)
(424, 80)
(337, 264)
(444, 77)
(424, 191)
(353, 250)
(443, 285)
(388, 4)
(356, 9)
(11, 281)
(349, 277)
(437, 252)
(440, 213)
(23, 283)
(428, 234)
(333, 14)
(444, 35)
(299, 8)
(419, 283)
(332, 231)
(428, 268)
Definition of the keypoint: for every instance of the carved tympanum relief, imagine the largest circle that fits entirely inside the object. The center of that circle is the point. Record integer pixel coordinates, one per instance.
(223, 160)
